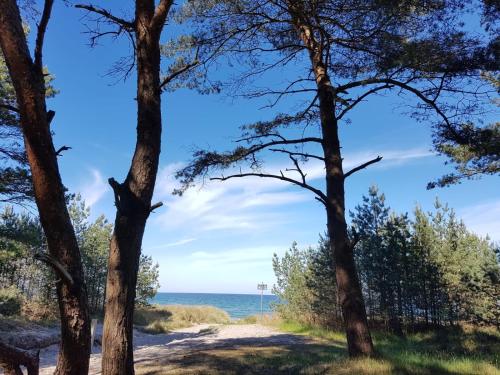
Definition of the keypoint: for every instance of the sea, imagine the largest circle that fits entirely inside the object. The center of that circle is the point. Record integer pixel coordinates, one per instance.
(236, 305)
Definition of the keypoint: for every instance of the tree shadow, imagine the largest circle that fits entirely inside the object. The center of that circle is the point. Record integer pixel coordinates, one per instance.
(293, 354)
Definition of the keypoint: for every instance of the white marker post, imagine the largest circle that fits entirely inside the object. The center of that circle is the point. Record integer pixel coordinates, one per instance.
(261, 287)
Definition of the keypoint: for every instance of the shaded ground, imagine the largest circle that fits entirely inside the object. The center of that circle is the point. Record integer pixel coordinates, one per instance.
(201, 349)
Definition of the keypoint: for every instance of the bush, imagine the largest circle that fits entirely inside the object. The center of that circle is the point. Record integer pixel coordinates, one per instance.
(40, 312)
(11, 300)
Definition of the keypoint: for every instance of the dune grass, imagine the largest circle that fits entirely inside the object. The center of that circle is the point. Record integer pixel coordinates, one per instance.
(165, 318)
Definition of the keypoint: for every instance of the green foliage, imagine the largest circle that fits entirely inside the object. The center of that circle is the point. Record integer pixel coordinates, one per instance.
(93, 239)
(427, 271)
(11, 300)
(147, 280)
(291, 272)
(473, 150)
(431, 270)
(21, 236)
(15, 177)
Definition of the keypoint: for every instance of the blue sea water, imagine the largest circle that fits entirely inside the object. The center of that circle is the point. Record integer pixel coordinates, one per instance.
(236, 305)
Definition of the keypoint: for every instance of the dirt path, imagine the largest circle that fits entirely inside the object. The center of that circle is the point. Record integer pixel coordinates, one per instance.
(155, 353)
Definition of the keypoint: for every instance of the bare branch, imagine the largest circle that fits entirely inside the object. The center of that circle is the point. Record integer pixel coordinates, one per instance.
(40, 36)
(320, 195)
(54, 263)
(360, 98)
(128, 25)
(297, 168)
(63, 148)
(362, 166)
(405, 86)
(155, 206)
(304, 155)
(9, 107)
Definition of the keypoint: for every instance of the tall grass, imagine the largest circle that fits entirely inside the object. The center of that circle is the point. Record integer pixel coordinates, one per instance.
(165, 318)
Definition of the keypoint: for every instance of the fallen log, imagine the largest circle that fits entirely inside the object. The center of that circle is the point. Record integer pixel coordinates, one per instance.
(11, 358)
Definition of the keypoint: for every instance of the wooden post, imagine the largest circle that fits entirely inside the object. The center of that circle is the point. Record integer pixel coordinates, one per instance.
(261, 287)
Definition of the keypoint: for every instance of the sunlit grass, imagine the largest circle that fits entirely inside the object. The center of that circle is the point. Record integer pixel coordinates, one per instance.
(456, 350)
(165, 318)
(464, 350)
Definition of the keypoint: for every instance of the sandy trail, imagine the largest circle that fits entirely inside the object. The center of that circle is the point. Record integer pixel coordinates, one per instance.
(150, 348)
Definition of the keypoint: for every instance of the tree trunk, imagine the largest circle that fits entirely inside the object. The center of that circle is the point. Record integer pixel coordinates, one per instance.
(28, 81)
(11, 358)
(133, 201)
(359, 341)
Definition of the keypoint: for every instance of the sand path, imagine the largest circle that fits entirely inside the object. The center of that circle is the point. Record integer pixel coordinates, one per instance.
(150, 348)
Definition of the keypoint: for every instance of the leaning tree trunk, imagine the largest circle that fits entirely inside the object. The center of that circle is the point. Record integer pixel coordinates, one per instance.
(28, 80)
(133, 199)
(359, 342)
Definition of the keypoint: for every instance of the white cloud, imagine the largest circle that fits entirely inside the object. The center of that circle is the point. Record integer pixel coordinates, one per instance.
(483, 219)
(173, 244)
(93, 191)
(242, 203)
(242, 256)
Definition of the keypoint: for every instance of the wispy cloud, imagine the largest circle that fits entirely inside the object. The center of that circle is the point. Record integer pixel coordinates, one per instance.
(483, 219)
(94, 190)
(243, 204)
(242, 256)
(173, 244)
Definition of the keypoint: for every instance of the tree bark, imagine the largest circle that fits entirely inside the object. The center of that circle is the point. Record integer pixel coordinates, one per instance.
(133, 199)
(28, 80)
(11, 358)
(359, 341)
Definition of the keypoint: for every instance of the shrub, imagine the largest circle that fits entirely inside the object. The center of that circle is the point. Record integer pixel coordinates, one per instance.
(40, 312)
(11, 300)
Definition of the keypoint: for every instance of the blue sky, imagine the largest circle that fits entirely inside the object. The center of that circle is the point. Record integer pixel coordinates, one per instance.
(221, 237)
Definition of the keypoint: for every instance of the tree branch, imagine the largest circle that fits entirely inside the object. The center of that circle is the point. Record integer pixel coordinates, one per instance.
(362, 166)
(128, 25)
(9, 107)
(61, 149)
(360, 98)
(320, 195)
(54, 263)
(155, 206)
(405, 86)
(179, 71)
(40, 36)
(160, 15)
(305, 155)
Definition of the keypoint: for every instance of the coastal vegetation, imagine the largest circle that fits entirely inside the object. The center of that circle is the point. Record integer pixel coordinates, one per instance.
(420, 272)
(27, 287)
(165, 318)
(411, 293)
